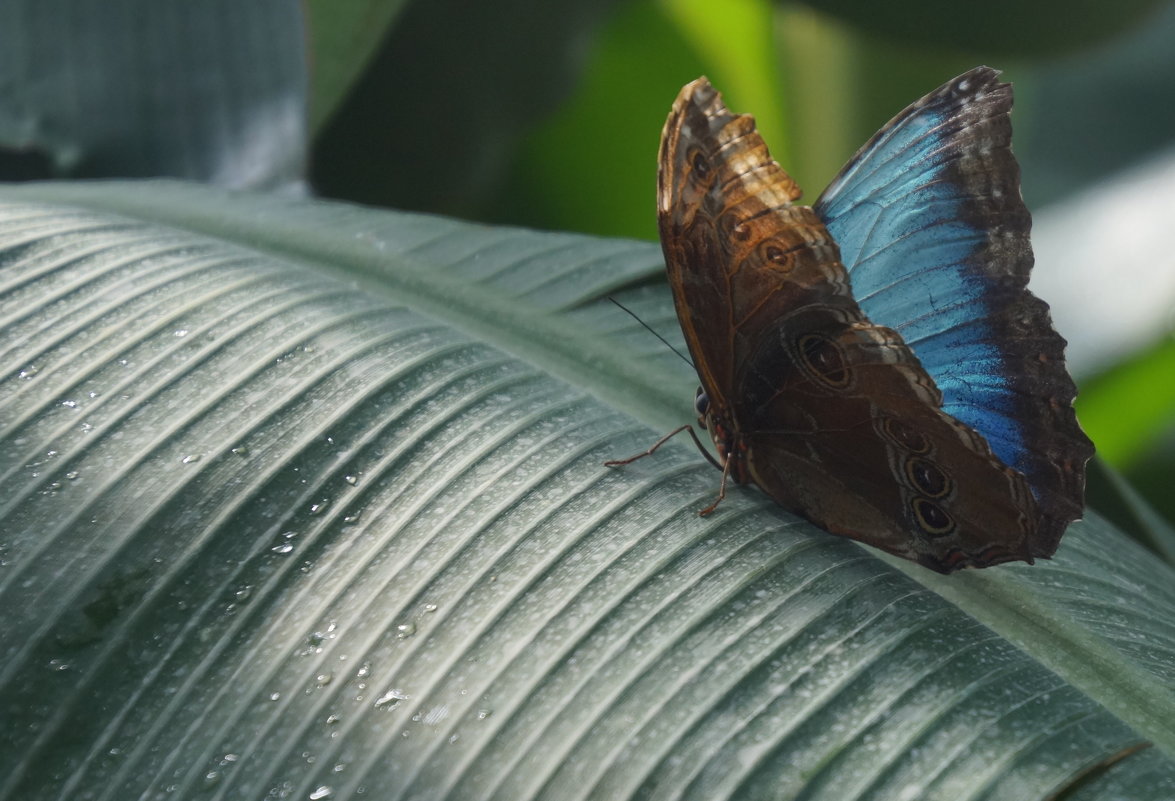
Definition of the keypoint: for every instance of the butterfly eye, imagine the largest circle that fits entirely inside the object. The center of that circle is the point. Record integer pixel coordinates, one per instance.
(700, 164)
(733, 226)
(927, 478)
(902, 435)
(930, 516)
(777, 255)
(823, 358)
(702, 403)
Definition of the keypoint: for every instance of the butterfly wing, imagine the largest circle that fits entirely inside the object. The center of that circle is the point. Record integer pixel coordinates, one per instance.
(829, 413)
(845, 427)
(935, 235)
(715, 171)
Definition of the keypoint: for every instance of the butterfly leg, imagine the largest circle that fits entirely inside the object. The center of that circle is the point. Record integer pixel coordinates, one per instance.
(725, 467)
(656, 445)
(721, 491)
(662, 441)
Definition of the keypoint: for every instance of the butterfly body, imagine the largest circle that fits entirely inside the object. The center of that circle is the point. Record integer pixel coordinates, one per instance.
(830, 410)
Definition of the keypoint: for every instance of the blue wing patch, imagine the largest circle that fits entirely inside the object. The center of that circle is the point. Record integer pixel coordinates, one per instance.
(935, 236)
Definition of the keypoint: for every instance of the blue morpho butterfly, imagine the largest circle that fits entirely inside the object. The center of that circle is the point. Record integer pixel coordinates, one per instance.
(876, 362)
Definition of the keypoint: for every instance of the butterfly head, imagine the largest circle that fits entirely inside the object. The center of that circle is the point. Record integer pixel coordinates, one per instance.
(730, 445)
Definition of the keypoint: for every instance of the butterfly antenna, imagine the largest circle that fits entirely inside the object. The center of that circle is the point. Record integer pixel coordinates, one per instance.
(651, 331)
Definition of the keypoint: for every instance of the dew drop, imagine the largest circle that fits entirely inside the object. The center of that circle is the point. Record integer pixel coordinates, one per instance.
(390, 699)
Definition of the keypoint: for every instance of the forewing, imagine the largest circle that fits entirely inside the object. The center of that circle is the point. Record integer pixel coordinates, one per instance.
(935, 236)
(714, 173)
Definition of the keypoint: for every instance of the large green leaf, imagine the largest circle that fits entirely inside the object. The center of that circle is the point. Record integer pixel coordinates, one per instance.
(302, 499)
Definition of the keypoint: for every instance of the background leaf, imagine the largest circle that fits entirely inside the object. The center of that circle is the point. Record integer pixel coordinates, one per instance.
(306, 498)
(214, 91)
(440, 107)
(344, 38)
(1003, 25)
(455, 67)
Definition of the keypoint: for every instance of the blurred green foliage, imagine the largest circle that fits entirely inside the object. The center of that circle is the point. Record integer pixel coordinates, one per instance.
(548, 114)
(550, 118)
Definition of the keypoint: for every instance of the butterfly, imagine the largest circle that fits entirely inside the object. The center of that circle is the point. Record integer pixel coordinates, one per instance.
(875, 362)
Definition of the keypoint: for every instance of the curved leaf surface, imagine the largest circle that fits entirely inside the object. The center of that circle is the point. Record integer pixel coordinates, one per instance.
(306, 500)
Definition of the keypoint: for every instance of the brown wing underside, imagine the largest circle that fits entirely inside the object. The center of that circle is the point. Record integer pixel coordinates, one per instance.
(718, 190)
(838, 419)
(844, 426)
